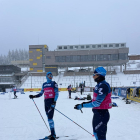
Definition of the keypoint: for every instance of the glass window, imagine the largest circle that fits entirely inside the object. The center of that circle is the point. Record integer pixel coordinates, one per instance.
(67, 58)
(89, 57)
(82, 47)
(110, 45)
(84, 58)
(71, 47)
(123, 56)
(99, 57)
(122, 45)
(57, 59)
(106, 57)
(60, 47)
(94, 57)
(87, 46)
(93, 46)
(114, 56)
(60, 59)
(117, 45)
(65, 47)
(105, 45)
(76, 47)
(99, 46)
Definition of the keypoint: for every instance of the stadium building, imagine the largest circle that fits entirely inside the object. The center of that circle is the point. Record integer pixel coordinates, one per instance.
(84, 55)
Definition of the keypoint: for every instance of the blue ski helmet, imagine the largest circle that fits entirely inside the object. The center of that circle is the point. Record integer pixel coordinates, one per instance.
(100, 70)
(48, 73)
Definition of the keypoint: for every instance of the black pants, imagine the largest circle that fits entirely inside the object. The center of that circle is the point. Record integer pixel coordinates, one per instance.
(69, 93)
(15, 94)
(50, 113)
(81, 91)
(100, 120)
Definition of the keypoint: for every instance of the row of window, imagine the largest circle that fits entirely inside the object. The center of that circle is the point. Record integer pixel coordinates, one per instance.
(6, 79)
(86, 58)
(91, 46)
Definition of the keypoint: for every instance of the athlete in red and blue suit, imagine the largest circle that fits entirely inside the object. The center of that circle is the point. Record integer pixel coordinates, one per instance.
(50, 90)
(100, 104)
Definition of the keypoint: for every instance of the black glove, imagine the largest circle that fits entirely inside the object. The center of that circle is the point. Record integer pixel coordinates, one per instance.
(32, 96)
(78, 106)
(53, 104)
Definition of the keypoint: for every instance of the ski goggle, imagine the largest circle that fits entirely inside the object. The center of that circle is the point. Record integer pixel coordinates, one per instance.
(95, 74)
(49, 75)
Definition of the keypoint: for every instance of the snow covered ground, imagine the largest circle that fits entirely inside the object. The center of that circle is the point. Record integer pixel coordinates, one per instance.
(20, 120)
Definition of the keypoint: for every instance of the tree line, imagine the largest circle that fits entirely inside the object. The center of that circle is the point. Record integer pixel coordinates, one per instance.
(14, 55)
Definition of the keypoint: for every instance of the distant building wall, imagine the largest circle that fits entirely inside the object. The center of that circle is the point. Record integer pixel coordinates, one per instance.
(134, 57)
(37, 58)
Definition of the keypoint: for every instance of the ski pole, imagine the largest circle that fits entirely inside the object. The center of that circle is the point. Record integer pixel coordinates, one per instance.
(73, 122)
(41, 115)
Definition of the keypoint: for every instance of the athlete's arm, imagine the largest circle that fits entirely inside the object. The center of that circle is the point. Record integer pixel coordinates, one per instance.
(102, 92)
(56, 92)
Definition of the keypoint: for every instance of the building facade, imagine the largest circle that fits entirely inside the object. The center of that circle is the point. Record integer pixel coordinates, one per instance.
(67, 56)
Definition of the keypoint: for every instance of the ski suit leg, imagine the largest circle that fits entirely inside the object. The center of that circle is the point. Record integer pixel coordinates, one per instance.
(50, 113)
(100, 120)
(81, 91)
(15, 94)
(69, 93)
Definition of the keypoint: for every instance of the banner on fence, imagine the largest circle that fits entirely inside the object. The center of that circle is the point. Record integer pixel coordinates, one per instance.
(131, 96)
(123, 92)
(39, 89)
(32, 89)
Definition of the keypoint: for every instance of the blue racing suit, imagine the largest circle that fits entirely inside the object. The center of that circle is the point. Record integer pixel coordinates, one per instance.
(50, 90)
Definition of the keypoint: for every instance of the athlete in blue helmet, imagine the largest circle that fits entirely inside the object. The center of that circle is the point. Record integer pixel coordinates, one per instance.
(50, 90)
(100, 104)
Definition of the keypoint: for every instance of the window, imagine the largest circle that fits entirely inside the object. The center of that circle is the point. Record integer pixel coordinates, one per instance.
(110, 45)
(67, 58)
(106, 57)
(117, 45)
(122, 45)
(87, 46)
(99, 57)
(123, 56)
(48, 57)
(105, 45)
(82, 47)
(99, 46)
(84, 58)
(114, 56)
(89, 57)
(94, 57)
(71, 47)
(93, 46)
(76, 47)
(65, 47)
(76, 58)
(60, 47)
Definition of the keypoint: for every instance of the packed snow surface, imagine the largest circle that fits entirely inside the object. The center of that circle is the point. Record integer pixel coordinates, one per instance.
(20, 119)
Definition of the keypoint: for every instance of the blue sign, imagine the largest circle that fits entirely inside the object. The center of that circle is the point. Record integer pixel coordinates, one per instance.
(123, 92)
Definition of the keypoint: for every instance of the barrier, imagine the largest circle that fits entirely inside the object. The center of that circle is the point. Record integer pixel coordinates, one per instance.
(32, 89)
(39, 89)
(122, 92)
(131, 96)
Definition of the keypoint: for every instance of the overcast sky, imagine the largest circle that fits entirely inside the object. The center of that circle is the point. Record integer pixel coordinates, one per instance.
(69, 22)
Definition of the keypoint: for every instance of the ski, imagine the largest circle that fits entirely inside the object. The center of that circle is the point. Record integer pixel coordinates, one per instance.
(47, 138)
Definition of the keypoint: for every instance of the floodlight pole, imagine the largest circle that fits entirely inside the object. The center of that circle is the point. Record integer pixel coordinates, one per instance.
(111, 79)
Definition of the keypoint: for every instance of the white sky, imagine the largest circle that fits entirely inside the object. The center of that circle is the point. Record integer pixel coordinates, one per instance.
(67, 22)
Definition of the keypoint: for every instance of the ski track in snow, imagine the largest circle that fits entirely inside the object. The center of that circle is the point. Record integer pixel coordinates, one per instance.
(20, 120)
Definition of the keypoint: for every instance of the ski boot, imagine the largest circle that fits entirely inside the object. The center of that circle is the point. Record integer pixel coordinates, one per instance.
(52, 137)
